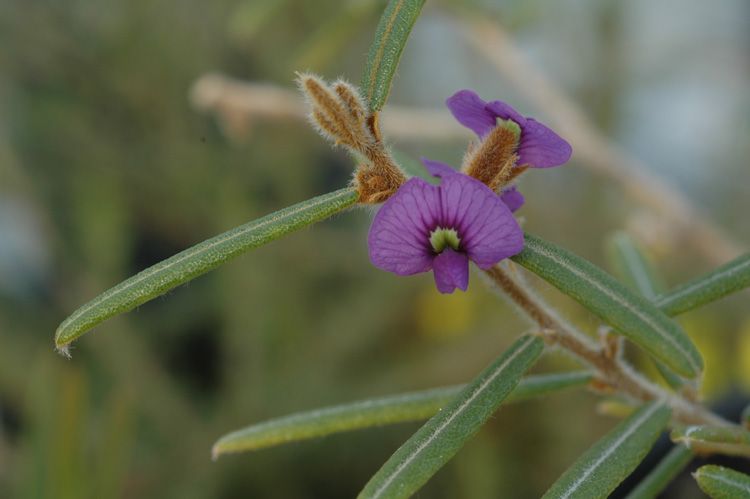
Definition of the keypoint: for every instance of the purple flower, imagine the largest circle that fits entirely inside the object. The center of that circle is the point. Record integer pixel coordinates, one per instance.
(539, 147)
(441, 227)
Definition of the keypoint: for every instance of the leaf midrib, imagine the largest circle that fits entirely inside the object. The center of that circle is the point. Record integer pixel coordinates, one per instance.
(591, 469)
(467, 403)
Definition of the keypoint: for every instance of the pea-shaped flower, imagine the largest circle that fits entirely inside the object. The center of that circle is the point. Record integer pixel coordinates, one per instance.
(425, 227)
(538, 145)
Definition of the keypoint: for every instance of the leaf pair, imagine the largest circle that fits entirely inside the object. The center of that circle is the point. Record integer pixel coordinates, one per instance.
(627, 312)
(402, 408)
(444, 434)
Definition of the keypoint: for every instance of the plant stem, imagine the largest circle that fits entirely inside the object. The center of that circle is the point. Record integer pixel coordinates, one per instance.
(613, 373)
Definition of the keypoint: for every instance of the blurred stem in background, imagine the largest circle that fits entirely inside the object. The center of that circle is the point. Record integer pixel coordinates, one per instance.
(237, 103)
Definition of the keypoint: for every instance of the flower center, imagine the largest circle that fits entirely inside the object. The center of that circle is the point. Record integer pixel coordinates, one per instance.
(440, 238)
(509, 125)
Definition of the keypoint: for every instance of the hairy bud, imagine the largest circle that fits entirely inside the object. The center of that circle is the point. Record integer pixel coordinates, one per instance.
(338, 113)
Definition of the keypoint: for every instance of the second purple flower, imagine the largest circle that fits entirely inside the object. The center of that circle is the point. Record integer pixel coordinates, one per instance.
(538, 147)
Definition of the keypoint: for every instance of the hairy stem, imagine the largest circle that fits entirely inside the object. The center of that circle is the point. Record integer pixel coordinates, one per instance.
(613, 373)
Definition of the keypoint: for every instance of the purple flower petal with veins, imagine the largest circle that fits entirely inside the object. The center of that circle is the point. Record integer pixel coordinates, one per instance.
(451, 270)
(539, 147)
(471, 111)
(441, 227)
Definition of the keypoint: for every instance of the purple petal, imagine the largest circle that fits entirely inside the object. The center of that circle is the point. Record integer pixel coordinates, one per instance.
(486, 227)
(512, 198)
(540, 147)
(451, 271)
(438, 169)
(399, 235)
(470, 110)
(500, 109)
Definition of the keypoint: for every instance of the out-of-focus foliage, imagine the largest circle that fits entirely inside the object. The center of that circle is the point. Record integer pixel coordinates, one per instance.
(105, 169)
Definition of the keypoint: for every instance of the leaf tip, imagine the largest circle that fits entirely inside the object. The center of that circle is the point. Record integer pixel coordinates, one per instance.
(63, 341)
(64, 350)
(215, 452)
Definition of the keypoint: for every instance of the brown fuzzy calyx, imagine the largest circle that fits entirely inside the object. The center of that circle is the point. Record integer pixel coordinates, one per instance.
(376, 185)
(515, 172)
(493, 161)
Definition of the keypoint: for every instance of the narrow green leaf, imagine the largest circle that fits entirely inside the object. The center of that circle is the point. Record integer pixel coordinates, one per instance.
(626, 311)
(728, 278)
(635, 269)
(719, 482)
(407, 407)
(540, 385)
(390, 38)
(435, 443)
(745, 418)
(403, 408)
(601, 469)
(662, 474)
(197, 260)
(728, 440)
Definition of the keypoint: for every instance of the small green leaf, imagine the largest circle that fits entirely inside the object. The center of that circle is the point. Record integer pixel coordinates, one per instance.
(199, 259)
(634, 269)
(727, 440)
(598, 472)
(403, 408)
(435, 443)
(719, 482)
(390, 38)
(728, 278)
(626, 311)
(662, 474)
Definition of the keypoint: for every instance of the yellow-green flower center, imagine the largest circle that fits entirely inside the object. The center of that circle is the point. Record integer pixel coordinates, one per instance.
(509, 125)
(441, 238)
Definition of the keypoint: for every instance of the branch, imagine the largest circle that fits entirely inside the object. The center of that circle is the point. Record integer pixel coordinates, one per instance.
(238, 104)
(613, 373)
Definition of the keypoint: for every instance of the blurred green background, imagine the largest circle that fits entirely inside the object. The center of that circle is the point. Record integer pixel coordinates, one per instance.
(106, 168)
